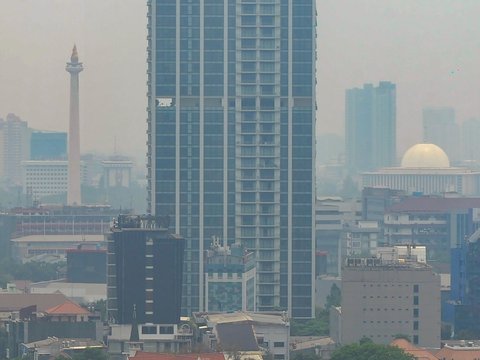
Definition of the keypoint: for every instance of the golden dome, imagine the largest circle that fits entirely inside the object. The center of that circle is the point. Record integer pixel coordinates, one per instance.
(425, 156)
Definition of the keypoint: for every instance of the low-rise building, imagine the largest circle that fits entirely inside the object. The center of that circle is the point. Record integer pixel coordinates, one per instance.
(26, 247)
(245, 331)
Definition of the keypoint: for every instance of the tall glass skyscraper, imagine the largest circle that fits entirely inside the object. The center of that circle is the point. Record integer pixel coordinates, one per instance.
(231, 134)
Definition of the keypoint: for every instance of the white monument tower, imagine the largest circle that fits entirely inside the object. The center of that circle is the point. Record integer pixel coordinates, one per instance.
(74, 196)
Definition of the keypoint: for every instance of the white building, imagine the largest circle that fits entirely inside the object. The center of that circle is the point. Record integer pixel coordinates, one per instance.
(46, 177)
(425, 168)
(117, 172)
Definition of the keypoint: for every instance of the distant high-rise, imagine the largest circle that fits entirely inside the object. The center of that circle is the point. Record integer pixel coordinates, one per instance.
(231, 138)
(14, 148)
(48, 145)
(370, 127)
(74, 196)
(470, 139)
(440, 128)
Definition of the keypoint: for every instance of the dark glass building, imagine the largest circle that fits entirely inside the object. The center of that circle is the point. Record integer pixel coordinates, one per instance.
(144, 272)
(231, 135)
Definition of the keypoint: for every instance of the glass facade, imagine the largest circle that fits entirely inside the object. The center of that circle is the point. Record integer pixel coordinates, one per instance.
(231, 138)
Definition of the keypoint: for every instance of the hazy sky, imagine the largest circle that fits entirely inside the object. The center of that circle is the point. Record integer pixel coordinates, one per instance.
(429, 48)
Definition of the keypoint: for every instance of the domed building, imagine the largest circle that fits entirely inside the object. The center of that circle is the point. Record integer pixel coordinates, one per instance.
(425, 168)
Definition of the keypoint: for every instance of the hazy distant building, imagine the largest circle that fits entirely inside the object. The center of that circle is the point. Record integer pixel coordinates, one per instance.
(425, 169)
(370, 127)
(117, 172)
(15, 148)
(46, 177)
(330, 149)
(231, 138)
(331, 215)
(441, 223)
(440, 128)
(470, 135)
(48, 145)
(382, 299)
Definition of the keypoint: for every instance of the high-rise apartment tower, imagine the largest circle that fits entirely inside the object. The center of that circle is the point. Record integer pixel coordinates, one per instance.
(370, 127)
(231, 124)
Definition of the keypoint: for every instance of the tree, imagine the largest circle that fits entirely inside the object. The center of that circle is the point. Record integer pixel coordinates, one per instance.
(312, 327)
(369, 351)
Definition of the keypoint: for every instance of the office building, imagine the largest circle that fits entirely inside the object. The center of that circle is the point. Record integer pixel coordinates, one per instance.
(331, 215)
(231, 138)
(464, 303)
(381, 299)
(47, 177)
(48, 145)
(425, 169)
(15, 148)
(144, 285)
(370, 127)
(441, 223)
(144, 261)
(441, 129)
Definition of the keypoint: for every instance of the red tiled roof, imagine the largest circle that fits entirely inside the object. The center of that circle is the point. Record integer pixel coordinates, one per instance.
(140, 355)
(434, 204)
(67, 308)
(408, 347)
(458, 353)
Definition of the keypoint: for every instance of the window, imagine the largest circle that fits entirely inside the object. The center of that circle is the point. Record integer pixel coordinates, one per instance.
(415, 288)
(149, 330)
(415, 339)
(415, 313)
(278, 344)
(415, 325)
(166, 329)
(415, 300)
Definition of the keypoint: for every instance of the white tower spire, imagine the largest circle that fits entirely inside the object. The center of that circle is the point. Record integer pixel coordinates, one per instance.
(74, 193)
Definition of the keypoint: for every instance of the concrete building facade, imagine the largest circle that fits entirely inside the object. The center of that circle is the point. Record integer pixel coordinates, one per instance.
(381, 300)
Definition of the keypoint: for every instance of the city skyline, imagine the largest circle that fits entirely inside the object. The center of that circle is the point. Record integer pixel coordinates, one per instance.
(383, 45)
